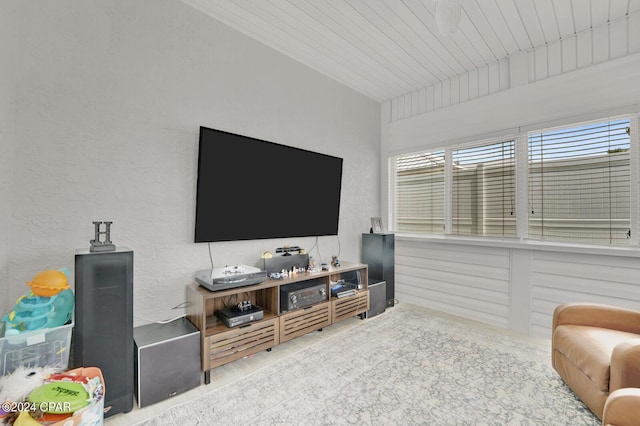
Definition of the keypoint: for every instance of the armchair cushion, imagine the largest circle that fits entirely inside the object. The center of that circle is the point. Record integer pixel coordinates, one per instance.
(571, 341)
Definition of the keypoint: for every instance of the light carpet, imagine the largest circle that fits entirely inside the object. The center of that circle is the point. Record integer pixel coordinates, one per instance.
(406, 366)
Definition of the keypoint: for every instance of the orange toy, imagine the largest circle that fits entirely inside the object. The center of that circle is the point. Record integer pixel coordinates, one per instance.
(48, 283)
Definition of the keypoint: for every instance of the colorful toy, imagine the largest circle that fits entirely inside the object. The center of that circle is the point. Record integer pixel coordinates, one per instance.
(74, 397)
(16, 386)
(49, 283)
(25, 419)
(61, 397)
(49, 304)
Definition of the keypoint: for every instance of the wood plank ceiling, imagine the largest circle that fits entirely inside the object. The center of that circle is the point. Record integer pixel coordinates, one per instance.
(387, 48)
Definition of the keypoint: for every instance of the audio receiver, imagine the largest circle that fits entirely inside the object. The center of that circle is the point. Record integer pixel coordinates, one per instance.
(302, 294)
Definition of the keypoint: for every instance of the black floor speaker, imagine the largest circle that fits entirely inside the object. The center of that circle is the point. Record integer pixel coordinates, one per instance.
(103, 334)
(167, 360)
(378, 251)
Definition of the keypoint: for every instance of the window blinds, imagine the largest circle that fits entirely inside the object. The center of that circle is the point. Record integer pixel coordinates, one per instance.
(419, 193)
(483, 189)
(579, 183)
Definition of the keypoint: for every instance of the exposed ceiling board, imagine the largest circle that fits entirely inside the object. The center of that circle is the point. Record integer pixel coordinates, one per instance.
(388, 48)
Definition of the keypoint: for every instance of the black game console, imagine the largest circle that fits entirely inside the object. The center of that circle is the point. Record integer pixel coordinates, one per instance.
(238, 315)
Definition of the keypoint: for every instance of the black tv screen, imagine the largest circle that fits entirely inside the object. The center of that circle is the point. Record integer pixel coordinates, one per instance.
(254, 189)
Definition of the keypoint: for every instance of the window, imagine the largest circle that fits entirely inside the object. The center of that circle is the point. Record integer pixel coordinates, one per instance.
(419, 193)
(576, 186)
(579, 183)
(483, 190)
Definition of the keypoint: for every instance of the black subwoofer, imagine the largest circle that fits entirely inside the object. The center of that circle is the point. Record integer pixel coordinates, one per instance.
(103, 334)
(167, 360)
(377, 298)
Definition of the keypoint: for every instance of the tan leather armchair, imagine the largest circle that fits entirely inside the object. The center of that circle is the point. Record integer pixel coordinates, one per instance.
(596, 350)
(622, 408)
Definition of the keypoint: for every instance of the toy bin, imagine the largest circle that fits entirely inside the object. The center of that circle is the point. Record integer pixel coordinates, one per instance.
(38, 348)
(91, 415)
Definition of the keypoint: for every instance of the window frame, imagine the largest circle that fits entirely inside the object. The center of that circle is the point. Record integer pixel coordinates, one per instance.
(584, 157)
(521, 138)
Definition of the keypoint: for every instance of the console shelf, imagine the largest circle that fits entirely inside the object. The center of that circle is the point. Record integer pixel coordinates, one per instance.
(349, 306)
(221, 344)
(302, 321)
(239, 342)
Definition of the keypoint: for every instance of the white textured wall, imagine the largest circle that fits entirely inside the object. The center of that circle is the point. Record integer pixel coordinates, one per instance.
(110, 96)
(7, 109)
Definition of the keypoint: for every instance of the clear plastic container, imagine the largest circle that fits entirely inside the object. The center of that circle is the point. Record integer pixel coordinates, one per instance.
(39, 348)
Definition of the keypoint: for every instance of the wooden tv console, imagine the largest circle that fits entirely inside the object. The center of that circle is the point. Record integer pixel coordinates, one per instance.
(221, 344)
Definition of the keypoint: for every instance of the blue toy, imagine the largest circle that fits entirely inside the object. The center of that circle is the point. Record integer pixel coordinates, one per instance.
(34, 312)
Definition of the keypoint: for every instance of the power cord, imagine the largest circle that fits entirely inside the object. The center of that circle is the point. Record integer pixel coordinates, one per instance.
(178, 306)
(317, 247)
(210, 256)
(161, 322)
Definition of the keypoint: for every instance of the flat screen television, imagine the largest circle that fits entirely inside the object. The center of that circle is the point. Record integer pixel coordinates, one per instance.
(251, 189)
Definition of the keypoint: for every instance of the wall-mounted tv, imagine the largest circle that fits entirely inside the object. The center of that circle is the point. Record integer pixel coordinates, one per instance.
(251, 189)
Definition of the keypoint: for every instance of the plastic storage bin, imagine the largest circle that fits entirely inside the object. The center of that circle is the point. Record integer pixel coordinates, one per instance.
(38, 348)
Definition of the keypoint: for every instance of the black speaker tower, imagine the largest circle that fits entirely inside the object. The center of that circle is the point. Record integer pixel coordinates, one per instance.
(103, 334)
(378, 252)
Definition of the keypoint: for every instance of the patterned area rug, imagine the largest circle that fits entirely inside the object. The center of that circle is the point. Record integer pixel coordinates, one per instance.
(403, 367)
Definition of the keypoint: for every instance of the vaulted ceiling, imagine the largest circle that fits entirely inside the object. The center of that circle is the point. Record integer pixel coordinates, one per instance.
(387, 48)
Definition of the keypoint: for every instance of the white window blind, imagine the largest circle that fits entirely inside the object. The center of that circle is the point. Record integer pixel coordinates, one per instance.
(419, 193)
(579, 187)
(483, 189)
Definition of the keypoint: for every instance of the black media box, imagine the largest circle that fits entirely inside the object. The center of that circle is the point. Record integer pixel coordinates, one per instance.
(233, 317)
(278, 263)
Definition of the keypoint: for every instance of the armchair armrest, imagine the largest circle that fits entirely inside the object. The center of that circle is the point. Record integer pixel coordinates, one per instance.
(625, 365)
(597, 315)
(622, 408)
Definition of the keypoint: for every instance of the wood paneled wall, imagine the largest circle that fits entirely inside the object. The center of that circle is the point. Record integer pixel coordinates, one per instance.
(511, 287)
(617, 39)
